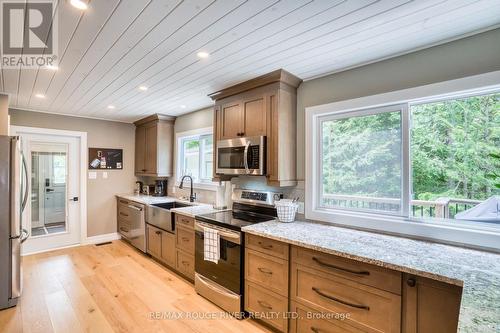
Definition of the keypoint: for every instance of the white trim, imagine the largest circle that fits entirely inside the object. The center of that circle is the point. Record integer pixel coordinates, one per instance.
(83, 166)
(102, 238)
(89, 241)
(210, 186)
(49, 250)
(482, 238)
(71, 115)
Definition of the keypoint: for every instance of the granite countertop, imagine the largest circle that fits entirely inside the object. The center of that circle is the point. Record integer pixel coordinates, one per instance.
(477, 271)
(196, 208)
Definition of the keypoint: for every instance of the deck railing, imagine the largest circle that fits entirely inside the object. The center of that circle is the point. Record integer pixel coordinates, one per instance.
(439, 208)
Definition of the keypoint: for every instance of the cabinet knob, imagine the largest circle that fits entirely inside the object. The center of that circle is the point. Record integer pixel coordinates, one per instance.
(411, 282)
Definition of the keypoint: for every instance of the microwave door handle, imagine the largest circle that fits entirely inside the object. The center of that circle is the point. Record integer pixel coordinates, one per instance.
(245, 157)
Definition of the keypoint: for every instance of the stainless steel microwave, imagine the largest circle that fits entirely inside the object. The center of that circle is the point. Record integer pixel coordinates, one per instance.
(241, 156)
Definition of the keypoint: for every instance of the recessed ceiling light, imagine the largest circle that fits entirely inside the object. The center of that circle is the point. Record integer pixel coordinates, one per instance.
(39, 95)
(182, 106)
(143, 88)
(111, 107)
(80, 4)
(203, 54)
(52, 67)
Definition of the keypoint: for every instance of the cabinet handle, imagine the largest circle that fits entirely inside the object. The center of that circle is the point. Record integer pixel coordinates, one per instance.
(185, 239)
(124, 202)
(314, 329)
(411, 282)
(265, 271)
(321, 263)
(123, 214)
(158, 232)
(185, 263)
(123, 229)
(265, 305)
(267, 247)
(352, 305)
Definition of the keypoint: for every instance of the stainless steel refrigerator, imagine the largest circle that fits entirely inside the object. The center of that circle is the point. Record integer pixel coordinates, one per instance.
(13, 197)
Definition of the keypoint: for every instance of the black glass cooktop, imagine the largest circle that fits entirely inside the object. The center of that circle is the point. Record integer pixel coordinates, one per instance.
(234, 219)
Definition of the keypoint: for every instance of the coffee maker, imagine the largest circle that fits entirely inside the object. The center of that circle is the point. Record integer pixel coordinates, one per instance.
(160, 188)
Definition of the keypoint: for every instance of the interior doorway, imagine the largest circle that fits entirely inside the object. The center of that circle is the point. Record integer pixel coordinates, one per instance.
(56, 165)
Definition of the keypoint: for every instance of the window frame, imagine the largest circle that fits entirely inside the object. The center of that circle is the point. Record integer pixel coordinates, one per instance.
(180, 138)
(478, 235)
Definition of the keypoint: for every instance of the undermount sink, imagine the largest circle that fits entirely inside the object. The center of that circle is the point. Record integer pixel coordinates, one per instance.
(171, 205)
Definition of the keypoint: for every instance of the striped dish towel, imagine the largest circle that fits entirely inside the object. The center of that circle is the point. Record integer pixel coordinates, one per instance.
(211, 245)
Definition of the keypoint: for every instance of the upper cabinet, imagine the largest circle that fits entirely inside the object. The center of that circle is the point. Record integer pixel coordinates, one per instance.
(154, 146)
(264, 106)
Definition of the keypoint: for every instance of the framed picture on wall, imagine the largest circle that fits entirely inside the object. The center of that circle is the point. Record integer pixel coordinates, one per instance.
(105, 158)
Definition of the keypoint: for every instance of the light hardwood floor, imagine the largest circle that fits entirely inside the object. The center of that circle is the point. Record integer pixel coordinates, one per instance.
(109, 288)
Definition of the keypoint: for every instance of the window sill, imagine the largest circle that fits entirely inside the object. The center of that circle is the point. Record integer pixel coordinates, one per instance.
(485, 237)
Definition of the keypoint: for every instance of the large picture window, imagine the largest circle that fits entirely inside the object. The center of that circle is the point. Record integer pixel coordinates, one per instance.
(419, 163)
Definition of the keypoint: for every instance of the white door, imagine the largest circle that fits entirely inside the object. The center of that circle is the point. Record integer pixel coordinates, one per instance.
(53, 214)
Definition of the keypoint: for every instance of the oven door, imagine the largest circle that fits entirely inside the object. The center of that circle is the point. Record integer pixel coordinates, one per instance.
(227, 272)
(242, 156)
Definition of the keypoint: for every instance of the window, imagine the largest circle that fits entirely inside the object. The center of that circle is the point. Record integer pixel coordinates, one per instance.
(361, 161)
(419, 167)
(196, 157)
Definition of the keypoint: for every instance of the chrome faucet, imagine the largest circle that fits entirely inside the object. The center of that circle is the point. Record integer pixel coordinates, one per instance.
(192, 195)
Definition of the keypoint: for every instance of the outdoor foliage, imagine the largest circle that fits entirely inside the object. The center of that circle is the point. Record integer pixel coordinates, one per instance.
(453, 147)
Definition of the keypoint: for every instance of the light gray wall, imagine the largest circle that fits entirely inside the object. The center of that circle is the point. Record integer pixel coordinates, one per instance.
(465, 57)
(101, 201)
(197, 119)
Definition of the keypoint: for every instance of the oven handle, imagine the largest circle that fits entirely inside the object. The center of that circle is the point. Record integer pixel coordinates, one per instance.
(232, 236)
(245, 157)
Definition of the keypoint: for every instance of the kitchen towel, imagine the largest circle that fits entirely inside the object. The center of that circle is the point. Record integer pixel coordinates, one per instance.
(211, 245)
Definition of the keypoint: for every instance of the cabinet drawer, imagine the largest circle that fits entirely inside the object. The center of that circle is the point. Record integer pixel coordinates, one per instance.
(185, 239)
(369, 309)
(309, 320)
(267, 270)
(185, 264)
(268, 246)
(270, 307)
(185, 221)
(367, 274)
(124, 227)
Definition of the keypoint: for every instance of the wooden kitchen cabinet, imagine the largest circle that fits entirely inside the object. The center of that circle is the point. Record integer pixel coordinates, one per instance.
(245, 117)
(430, 306)
(161, 245)
(154, 146)
(264, 106)
(184, 245)
(266, 280)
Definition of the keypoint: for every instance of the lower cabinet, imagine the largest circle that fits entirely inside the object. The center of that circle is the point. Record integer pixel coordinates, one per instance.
(430, 306)
(174, 249)
(161, 245)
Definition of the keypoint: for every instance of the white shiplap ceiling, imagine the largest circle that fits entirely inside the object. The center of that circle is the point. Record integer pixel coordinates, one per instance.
(107, 51)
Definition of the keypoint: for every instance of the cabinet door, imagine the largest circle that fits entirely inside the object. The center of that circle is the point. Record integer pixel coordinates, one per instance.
(430, 306)
(230, 120)
(151, 149)
(168, 248)
(140, 145)
(254, 116)
(154, 241)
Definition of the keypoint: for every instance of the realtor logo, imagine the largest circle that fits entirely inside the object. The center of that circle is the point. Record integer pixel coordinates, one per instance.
(28, 34)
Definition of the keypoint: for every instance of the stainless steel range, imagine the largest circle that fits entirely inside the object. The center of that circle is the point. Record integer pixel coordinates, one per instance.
(221, 281)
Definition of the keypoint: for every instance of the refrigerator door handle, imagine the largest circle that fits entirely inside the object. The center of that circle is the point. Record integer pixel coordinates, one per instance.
(15, 188)
(26, 186)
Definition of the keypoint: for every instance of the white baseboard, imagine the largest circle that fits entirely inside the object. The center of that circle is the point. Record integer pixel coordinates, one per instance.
(101, 238)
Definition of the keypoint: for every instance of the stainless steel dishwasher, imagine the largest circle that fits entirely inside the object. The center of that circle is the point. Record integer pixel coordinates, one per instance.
(132, 223)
